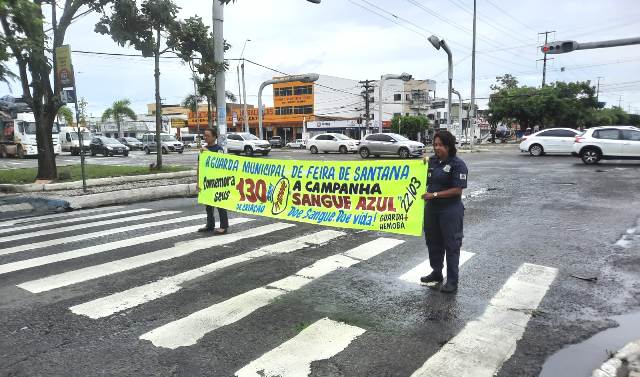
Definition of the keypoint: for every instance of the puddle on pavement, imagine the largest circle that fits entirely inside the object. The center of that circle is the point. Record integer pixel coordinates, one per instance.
(580, 360)
(475, 193)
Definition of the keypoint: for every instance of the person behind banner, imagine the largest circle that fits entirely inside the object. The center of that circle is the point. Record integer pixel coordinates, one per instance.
(444, 211)
(211, 138)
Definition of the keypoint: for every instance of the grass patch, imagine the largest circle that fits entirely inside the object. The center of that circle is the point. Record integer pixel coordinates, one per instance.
(73, 173)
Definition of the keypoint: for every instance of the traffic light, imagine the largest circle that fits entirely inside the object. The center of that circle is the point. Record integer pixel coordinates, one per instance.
(559, 47)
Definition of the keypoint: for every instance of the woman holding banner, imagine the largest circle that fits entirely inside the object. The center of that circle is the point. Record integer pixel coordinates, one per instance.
(444, 211)
(211, 138)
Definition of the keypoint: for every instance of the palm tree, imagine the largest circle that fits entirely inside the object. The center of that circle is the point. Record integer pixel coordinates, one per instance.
(207, 88)
(118, 111)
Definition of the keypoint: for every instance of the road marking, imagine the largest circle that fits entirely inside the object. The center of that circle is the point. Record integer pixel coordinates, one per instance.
(55, 216)
(77, 219)
(16, 207)
(484, 344)
(188, 330)
(117, 302)
(81, 226)
(320, 341)
(413, 275)
(87, 236)
(100, 248)
(178, 250)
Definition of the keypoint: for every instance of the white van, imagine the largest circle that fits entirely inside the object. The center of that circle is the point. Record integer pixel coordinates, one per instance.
(18, 137)
(69, 141)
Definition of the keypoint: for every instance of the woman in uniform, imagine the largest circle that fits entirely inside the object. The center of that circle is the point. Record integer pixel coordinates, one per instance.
(211, 138)
(444, 211)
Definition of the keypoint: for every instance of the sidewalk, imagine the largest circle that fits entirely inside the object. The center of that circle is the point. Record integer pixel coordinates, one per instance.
(625, 363)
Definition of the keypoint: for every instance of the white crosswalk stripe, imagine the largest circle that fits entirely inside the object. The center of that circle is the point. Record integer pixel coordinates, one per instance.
(101, 233)
(101, 248)
(121, 265)
(136, 296)
(55, 216)
(16, 207)
(188, 330)
(76, 219)
(413, 275)
(76, 227)
(320, 341)
(481, 348)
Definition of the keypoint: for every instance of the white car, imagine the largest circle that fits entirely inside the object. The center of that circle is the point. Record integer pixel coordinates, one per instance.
(247, 143)
(609, 143)
(552, 140)
(332, 142)
(299, 143)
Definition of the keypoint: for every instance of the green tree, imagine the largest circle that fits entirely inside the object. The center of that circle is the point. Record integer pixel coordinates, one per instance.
(191, 102)
(65, 113)
(143, 28)
(23, 25)
(118, 111)
(82, 108)
(410, 125)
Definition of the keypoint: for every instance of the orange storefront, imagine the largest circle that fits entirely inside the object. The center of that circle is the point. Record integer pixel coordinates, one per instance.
(293, 104)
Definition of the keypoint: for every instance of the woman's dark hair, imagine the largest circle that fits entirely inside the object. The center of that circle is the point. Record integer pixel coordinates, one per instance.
(448, 140)
(213, 131)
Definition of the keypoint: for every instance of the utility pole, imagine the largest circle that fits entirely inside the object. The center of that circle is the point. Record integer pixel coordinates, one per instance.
(620, 102)
(598, 92)
(472, 106)
(218, 52)
(245, 112)
(544, 66)
(367, 89)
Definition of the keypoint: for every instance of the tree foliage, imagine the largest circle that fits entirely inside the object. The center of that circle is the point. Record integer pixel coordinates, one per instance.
(410, 125)
(118, 111)
(65, 113)
(25, 39)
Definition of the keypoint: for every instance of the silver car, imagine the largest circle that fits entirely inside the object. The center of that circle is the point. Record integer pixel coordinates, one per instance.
(389, 144)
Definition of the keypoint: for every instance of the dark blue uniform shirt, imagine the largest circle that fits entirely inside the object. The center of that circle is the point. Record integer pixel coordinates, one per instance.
(215, 148)
(443, 175)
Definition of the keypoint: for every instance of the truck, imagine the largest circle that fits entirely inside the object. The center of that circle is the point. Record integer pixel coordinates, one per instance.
(18, 135)
(69, 141)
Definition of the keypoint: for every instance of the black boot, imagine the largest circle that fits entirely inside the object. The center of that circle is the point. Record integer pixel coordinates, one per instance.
(206, 229)
(449, 287)
(432, 278)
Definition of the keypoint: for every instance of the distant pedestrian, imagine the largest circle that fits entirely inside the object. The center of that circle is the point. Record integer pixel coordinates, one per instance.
(444, 211)
(211, 138)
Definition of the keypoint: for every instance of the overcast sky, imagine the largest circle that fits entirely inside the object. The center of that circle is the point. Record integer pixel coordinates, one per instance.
(362, 39)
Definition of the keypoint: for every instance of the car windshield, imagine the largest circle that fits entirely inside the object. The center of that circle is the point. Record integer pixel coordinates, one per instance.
(342, 137)
(400, 138)
(85, 135)
(168, 138)
(249, 137)
(131, 139)
(108, 140)
(30, 128)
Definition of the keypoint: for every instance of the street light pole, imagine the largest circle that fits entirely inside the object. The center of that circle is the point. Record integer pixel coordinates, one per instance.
(403, 76)
(472, 106)
(218, 52)
(437, 43)
(306, 78)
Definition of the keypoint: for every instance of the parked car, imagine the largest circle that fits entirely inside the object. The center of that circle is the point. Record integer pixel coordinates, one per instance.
(276, 142)
(247, 143)
(552, 140)
(332, 142)
(299, 143)
(389, 144)
(608, 143)
(169, 143)
(131, 142)
(107, 146)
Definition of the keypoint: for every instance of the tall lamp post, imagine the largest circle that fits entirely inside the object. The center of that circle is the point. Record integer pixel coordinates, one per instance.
(306, 78)
(459, 107)
(241, 91)
(403, 76)
(437, 43)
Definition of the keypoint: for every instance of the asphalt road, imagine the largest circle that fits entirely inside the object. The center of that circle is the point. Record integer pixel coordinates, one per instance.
(116, 293)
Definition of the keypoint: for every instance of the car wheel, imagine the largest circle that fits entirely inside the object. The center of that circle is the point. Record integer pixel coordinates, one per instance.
(180, 151)
(302, 147)
(313, 149)
(147, 151)
(93, 153)
(364, 152)
(536, 150)
(3, 151)
(165, 150)
(248, 151)
(590, 156)
(105, 153)
(265, 153)
(403, 153)
(20, 152)
(126, 154)
(343, 149)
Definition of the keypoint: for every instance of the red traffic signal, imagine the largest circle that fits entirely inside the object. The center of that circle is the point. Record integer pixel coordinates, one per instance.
(559, 47)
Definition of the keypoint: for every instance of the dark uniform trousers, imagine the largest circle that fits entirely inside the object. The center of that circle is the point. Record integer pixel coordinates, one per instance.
(443, 234)
(211, 220)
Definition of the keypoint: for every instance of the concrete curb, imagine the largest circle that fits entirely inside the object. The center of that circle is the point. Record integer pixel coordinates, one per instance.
(625, 363)
(8, 188)
(185, 190)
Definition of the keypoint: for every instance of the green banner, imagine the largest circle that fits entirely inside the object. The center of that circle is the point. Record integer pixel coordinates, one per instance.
(373, 195)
